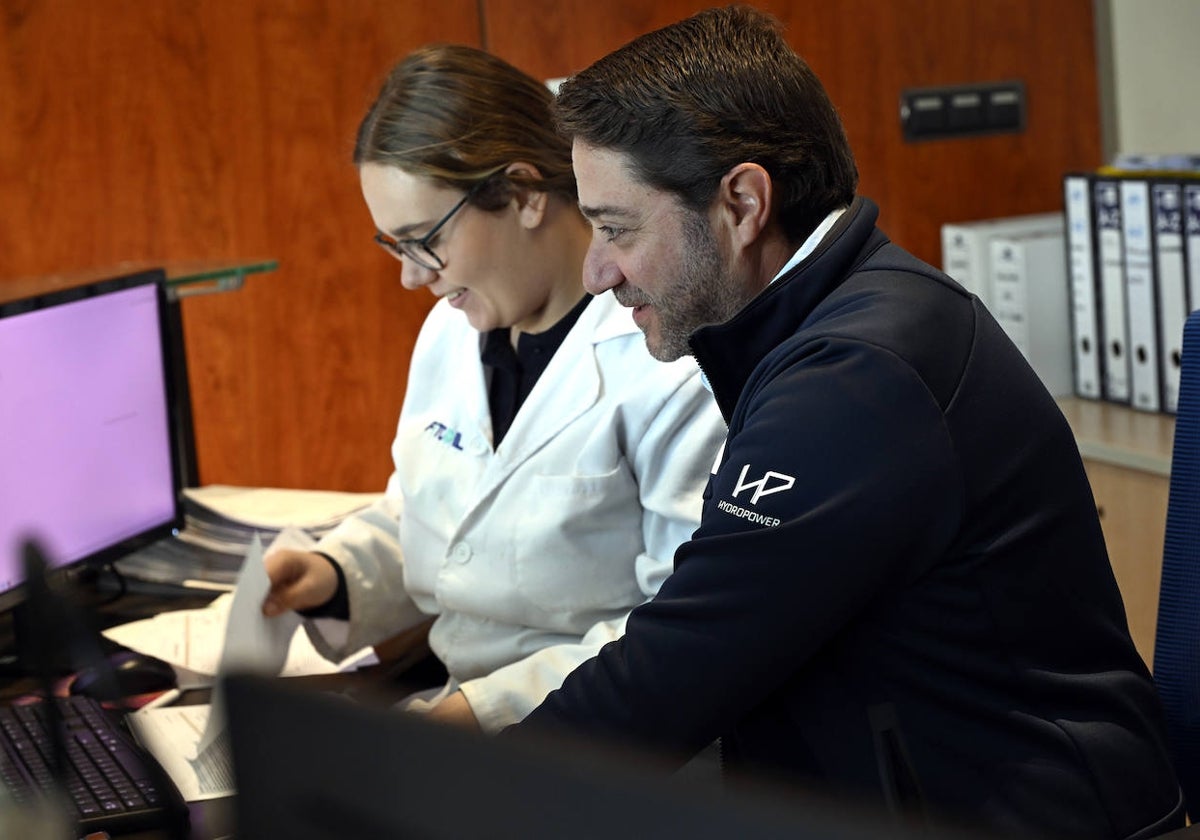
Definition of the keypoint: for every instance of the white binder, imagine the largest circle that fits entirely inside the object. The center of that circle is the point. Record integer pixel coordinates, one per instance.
(1086, 340)
(1030, 302)
(1110, 262)
(1167, 228)
(965, 247)
(1140, 294)
(1191, 242)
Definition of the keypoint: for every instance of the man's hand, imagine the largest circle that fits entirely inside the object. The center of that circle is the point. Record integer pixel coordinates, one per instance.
(300, 580)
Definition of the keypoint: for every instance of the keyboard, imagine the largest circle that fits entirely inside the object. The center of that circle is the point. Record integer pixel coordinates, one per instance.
(114, 784)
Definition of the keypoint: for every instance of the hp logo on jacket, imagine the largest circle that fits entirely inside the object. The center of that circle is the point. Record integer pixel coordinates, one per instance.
(771, 482)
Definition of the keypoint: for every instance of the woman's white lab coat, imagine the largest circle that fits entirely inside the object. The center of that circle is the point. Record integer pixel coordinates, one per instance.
(531, 555)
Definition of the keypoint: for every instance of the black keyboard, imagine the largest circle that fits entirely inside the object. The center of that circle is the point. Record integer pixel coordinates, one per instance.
(114, 784)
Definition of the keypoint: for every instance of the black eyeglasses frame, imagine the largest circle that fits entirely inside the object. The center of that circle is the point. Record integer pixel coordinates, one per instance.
(420, 250)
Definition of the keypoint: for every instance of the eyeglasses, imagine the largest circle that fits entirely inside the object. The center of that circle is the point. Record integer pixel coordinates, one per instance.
(420, 250)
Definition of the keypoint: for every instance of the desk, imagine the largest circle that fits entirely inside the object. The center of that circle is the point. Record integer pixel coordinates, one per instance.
(405, 667)
(210, 820)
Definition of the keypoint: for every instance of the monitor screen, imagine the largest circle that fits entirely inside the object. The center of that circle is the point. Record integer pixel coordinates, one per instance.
(89, 464)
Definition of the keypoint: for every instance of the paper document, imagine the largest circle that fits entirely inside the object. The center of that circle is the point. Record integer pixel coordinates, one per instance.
(190, 741)
(195, 639)
(219, 521)
(172, 733)
(276, 508)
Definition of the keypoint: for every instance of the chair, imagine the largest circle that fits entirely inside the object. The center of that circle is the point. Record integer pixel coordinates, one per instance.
(1177, 640)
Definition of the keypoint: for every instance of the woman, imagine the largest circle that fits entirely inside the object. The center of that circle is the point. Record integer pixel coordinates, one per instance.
(546, 467)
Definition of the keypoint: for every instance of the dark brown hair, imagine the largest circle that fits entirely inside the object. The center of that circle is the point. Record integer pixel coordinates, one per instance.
(460, 116)
(689, 101)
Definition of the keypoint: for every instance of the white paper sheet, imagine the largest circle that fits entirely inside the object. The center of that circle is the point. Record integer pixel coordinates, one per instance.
(274, 508)
(193, 640)
(190, 741)
(171, 733)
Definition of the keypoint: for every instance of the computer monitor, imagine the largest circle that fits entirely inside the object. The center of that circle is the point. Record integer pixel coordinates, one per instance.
(90, 462)
(309, 766)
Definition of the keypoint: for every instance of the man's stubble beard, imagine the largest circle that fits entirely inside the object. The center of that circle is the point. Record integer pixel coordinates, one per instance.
(701, 293)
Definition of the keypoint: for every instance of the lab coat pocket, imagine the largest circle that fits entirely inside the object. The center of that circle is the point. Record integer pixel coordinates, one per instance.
(578, 543)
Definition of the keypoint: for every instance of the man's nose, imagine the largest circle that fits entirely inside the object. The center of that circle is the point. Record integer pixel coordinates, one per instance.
(600, 273)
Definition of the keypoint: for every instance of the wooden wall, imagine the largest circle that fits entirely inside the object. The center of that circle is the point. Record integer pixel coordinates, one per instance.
(866, 52)
(171, 131)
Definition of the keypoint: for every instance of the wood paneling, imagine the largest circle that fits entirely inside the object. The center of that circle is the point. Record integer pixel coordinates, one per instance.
(179, 130)
(866, 52)
(173, 131)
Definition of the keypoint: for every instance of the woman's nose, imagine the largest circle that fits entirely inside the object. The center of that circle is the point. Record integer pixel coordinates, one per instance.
(414, 276)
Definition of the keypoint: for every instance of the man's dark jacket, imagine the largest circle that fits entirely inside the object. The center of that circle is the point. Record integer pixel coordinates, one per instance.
(899, 589)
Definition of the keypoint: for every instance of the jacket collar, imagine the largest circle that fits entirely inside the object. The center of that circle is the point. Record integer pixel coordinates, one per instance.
(728, 353)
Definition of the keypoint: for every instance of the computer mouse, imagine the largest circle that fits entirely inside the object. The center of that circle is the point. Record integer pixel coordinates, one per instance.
(136, 673)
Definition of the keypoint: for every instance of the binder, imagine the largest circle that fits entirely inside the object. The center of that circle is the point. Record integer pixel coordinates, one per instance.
(1086, 338)
(1166, 217)
(1031, 302)
(1191, 243)
(1110, 263)
(1140, 294)
(965, 247)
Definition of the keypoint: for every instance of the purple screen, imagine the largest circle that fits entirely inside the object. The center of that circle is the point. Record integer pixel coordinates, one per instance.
(85, 446)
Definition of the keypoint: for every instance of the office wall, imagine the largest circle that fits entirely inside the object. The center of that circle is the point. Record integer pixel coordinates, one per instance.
(165, 130)
(866, 52)
(180, 131)
(1153, 55)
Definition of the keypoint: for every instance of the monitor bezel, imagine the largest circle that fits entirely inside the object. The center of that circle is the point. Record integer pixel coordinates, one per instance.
(171, 353)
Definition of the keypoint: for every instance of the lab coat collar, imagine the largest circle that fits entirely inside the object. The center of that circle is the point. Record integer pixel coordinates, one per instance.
(560, 395)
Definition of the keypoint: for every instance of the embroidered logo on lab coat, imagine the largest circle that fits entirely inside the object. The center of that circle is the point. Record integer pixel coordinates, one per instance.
(443, 433)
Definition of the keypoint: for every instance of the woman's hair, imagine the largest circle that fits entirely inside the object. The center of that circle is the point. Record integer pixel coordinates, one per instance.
(687, 102)
(460, 116)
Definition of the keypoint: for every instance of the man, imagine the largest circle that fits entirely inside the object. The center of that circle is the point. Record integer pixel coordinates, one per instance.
(899, 588)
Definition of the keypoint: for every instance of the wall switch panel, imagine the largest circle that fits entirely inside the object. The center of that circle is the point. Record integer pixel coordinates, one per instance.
(962, 110)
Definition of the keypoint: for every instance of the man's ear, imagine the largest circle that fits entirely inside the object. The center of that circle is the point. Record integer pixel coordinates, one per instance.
(531, 203)
(745, 202)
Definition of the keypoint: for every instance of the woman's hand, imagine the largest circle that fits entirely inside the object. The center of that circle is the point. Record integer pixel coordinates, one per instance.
(300, 580)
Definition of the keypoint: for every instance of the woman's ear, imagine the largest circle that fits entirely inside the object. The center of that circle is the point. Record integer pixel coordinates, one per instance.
(744, 201)
(531, 203)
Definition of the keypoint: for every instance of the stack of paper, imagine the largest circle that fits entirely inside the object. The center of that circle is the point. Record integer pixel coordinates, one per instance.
(231, 635)
(219, 522)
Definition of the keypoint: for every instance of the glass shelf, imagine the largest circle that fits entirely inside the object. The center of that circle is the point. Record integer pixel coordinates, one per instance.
(183, 279)
(188, 280)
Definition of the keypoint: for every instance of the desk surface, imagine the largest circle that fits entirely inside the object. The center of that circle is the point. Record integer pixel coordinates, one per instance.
(214, 819)
(1120, 435)
(210, 820)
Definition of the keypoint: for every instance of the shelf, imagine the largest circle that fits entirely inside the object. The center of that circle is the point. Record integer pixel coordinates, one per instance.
(1121, 436)
(183, 279)
(188, 280)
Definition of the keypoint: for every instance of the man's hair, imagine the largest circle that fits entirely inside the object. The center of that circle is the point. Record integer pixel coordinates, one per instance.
(689, 101)
(460, 116)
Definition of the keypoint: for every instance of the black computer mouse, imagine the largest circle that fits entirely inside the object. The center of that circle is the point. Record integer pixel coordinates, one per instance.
(136, 673)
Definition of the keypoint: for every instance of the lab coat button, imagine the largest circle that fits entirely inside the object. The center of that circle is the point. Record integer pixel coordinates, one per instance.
(461, 552)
